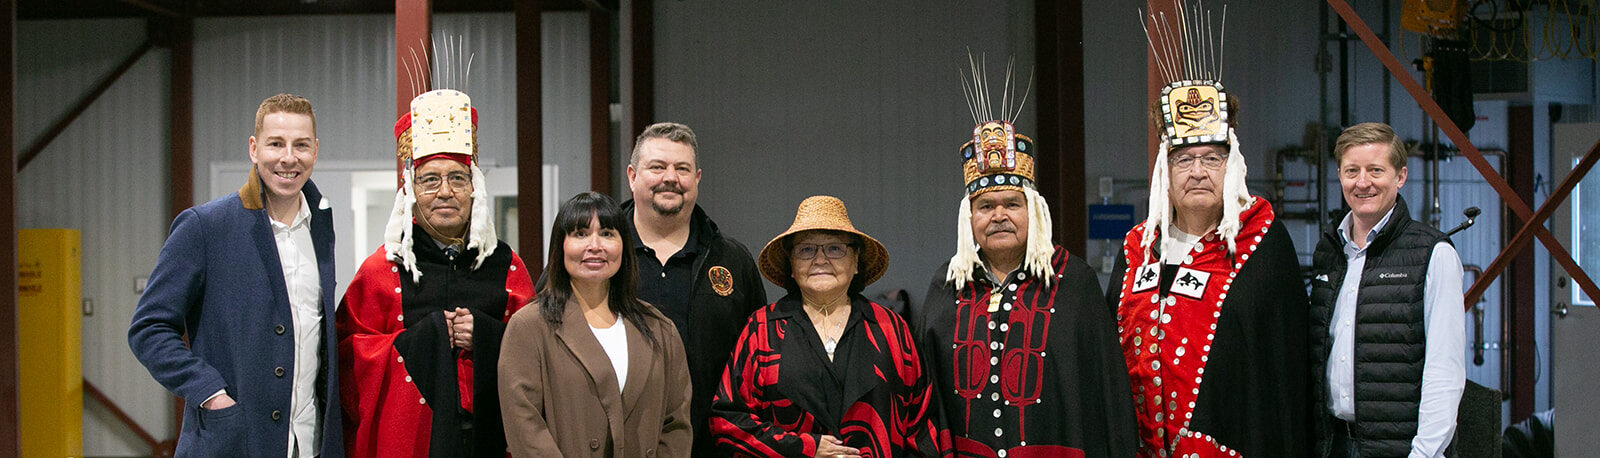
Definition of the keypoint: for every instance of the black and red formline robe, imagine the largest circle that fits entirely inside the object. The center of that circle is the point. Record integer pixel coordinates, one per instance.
(780, 393)
(1039, 376)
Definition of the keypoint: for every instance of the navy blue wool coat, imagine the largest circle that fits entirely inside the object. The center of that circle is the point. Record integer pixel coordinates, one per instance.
(219, 282)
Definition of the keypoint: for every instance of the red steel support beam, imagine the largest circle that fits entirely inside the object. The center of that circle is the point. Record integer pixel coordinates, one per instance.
(88, 99)
(530, 133)
(94, 392)
(10, 429)
(600, 100)
(413, 47)
(1517, 206)
(641, 26)
(1058, 52)
(1556, 198)
(1517, 316)
(180, 156)
(413, 40)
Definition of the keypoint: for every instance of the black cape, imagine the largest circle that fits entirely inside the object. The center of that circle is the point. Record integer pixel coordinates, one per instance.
(430, 359)
(1256, 396)
(1066, 364)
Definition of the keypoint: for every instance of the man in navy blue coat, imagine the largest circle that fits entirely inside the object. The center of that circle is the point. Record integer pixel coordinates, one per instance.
(248, 278)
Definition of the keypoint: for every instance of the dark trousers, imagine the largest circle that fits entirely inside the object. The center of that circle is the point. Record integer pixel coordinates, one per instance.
(1343, 447)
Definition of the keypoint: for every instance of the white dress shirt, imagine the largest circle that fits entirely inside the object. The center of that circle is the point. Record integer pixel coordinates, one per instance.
(1444, 322)
(299, 259)
(615, 341)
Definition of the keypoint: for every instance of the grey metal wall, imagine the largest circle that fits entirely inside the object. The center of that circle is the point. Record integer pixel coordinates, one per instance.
(106, 175)
(345, 66)
(794, 99)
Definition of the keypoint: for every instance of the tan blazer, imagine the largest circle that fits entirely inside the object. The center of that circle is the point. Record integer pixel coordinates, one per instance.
(558, 391)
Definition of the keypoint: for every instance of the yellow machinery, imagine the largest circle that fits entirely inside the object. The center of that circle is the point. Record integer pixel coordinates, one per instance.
(50, 338)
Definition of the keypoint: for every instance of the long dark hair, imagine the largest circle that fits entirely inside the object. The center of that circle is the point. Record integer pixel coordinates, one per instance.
(555, 288)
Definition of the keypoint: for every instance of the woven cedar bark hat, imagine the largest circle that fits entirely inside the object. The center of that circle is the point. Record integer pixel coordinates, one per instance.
(822, 213)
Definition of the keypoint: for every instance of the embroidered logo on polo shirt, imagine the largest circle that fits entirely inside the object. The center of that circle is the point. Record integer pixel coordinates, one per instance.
(721, 280)
(1190, 283)
(1146, 277)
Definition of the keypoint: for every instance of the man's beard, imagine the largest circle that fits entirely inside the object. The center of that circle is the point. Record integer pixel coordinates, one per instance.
(668, 211)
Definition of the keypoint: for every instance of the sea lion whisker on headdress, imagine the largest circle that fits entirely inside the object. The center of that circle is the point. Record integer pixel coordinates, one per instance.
(999, 159)
(440, 122)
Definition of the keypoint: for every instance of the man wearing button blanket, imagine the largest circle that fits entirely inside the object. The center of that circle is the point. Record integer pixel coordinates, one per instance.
(421, 323)
(1208, 296)
(1022, 354)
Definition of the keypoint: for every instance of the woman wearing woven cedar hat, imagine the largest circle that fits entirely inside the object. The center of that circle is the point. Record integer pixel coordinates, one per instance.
(823, 371)
(1211, 311)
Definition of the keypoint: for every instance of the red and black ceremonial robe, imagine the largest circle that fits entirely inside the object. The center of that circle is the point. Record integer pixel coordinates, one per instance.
(1216, 344)
(1040, 375)
(405, 390)
(780, 392)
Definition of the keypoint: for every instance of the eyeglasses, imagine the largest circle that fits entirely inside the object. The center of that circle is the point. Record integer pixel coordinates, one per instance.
(809, 251)
(459, 182)
(1211, 161)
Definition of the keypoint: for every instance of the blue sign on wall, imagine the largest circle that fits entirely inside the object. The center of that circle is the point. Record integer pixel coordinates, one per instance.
(1110, 221)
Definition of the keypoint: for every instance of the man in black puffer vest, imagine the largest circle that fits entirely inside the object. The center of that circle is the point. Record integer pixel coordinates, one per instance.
(1388, 326)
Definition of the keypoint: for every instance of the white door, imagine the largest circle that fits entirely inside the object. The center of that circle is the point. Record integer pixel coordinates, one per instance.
(361, 194)
(1574, 321)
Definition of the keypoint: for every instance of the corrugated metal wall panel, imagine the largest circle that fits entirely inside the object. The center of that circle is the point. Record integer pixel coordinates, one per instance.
(105, 176)
(345, 66)
(791, 100)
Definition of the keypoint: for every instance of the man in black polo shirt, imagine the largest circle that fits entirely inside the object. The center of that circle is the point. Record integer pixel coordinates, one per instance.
(704, 281)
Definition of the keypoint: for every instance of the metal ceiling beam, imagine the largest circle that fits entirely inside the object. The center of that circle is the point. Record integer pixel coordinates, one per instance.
(609, 6)
(154, 8)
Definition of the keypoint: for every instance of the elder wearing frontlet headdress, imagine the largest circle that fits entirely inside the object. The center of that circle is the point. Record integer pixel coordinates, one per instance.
(1022, 354)
(421, 323)
(1210, 308)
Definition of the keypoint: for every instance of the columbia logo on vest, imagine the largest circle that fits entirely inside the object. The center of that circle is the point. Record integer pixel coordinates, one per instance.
(1388, 275)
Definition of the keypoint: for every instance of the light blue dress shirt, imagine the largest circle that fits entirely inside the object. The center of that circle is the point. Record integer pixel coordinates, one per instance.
(1444, 322)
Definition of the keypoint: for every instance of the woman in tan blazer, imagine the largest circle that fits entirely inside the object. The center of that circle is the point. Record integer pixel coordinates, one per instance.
(588, 369)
